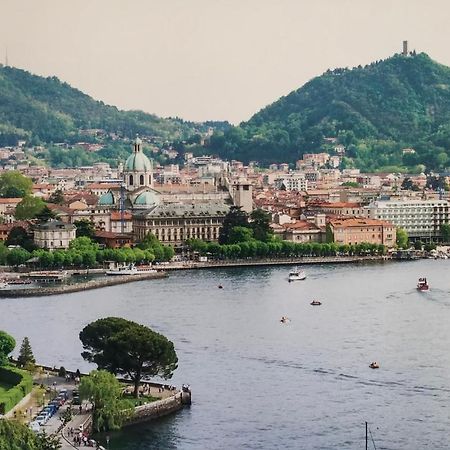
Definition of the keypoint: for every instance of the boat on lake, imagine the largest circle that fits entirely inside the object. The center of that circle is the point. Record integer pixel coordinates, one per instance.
(49, 276)
(3, 284)
(422, 285)
(315, 303)
(296, 275)
(129, 269)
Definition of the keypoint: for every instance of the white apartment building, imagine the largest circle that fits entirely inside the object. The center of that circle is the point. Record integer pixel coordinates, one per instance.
(421, 219)
(54, 235)
(292, 182)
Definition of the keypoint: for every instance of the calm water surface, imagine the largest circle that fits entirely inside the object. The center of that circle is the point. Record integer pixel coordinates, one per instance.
(259, 384)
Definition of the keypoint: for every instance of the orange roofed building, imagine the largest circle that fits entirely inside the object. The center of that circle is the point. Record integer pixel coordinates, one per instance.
(358, 230)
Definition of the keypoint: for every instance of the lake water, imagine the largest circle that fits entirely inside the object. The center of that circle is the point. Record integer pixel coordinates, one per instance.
(260, 384)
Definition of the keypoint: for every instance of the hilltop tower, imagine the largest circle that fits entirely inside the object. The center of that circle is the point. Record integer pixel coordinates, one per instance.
(405, 48)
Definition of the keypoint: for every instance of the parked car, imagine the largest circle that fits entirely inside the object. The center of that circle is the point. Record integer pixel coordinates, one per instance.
(41, 419)
(34, 426)
(55, 403)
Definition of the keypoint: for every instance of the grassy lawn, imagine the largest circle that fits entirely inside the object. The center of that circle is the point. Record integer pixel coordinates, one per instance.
(129, 402)
(4, 387)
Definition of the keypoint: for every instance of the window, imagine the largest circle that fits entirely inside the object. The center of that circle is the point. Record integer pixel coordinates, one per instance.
(131, 180)
(141, 180)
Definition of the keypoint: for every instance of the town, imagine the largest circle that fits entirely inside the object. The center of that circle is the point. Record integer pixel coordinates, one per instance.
(314, 202)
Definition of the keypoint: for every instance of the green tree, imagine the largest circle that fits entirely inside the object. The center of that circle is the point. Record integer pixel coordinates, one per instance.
(104, 391)
(124, 347)
(3, 253)
(85, 228)
(29, 208)
(445, 232)
(19, 236)
(17, 257)
(83, 244)
(240, 234)
(235, 218)
(7, 344)
(57, 197)
(46, 441)
(45, 215)
(13, 184)
(402, 238)
(15, 436)
(26, 356)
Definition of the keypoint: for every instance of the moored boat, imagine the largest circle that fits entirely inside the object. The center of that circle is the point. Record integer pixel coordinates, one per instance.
(296, 275)
(315, 303)
(129, 269)
(422, 285)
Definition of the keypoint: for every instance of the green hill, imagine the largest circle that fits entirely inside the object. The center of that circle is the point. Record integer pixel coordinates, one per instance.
(375, 111)
(42, 109)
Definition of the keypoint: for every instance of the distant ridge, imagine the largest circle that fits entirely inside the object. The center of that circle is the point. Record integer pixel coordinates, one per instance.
(375, 111)
(40, 109)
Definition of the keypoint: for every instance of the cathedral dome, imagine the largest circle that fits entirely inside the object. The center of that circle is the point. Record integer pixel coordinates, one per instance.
(106, 199)
(147, 199)
(138, 162)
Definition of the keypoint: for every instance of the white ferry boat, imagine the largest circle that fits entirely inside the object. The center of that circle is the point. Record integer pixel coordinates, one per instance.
(129, 269)
(296, 275)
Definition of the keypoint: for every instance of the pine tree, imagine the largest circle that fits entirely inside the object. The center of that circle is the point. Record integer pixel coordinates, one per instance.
(26, 356)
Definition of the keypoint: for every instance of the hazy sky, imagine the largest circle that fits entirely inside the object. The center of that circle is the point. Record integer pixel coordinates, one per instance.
(210, 59)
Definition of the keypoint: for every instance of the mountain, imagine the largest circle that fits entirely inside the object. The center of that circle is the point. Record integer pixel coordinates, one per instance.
(41, 109)
(375, 111)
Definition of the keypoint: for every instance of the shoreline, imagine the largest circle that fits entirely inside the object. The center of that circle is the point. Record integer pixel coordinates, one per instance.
(82, 286)
(191, 265)
(307, 260)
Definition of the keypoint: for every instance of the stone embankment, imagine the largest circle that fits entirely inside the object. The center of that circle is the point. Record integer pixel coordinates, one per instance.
(76, 287)
(159, 408)
(273, 262)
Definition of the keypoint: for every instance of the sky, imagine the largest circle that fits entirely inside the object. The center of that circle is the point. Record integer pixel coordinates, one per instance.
(210, 59)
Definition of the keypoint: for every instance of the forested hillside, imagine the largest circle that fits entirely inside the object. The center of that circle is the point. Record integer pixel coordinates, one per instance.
(375, 111)
(47, 110)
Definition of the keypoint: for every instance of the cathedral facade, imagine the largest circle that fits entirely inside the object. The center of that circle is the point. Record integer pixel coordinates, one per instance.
(172, 222)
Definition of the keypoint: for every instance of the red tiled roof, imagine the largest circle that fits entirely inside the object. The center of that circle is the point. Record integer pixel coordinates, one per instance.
(115, 215)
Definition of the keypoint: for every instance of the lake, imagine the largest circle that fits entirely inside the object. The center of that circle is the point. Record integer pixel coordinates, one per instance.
(260, 384)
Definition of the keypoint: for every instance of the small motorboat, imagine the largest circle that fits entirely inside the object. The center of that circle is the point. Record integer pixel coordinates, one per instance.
(285, 319)
(374, 365)
(422, 285)
(220, 286)
(296, 275)
(3, 284)
(315, 303)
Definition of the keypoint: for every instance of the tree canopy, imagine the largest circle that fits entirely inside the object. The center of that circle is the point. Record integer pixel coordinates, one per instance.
(16, 436)
(234, 218)
(124, 347)
(402, 238)
(103, 389)
(7, 344)
(374, 111)
(26, 357)
(13, 184)
(29, 208)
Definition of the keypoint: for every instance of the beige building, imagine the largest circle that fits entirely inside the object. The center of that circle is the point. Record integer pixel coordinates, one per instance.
(54, 235)
(175, 223)
(359, 230)
(8, 209)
